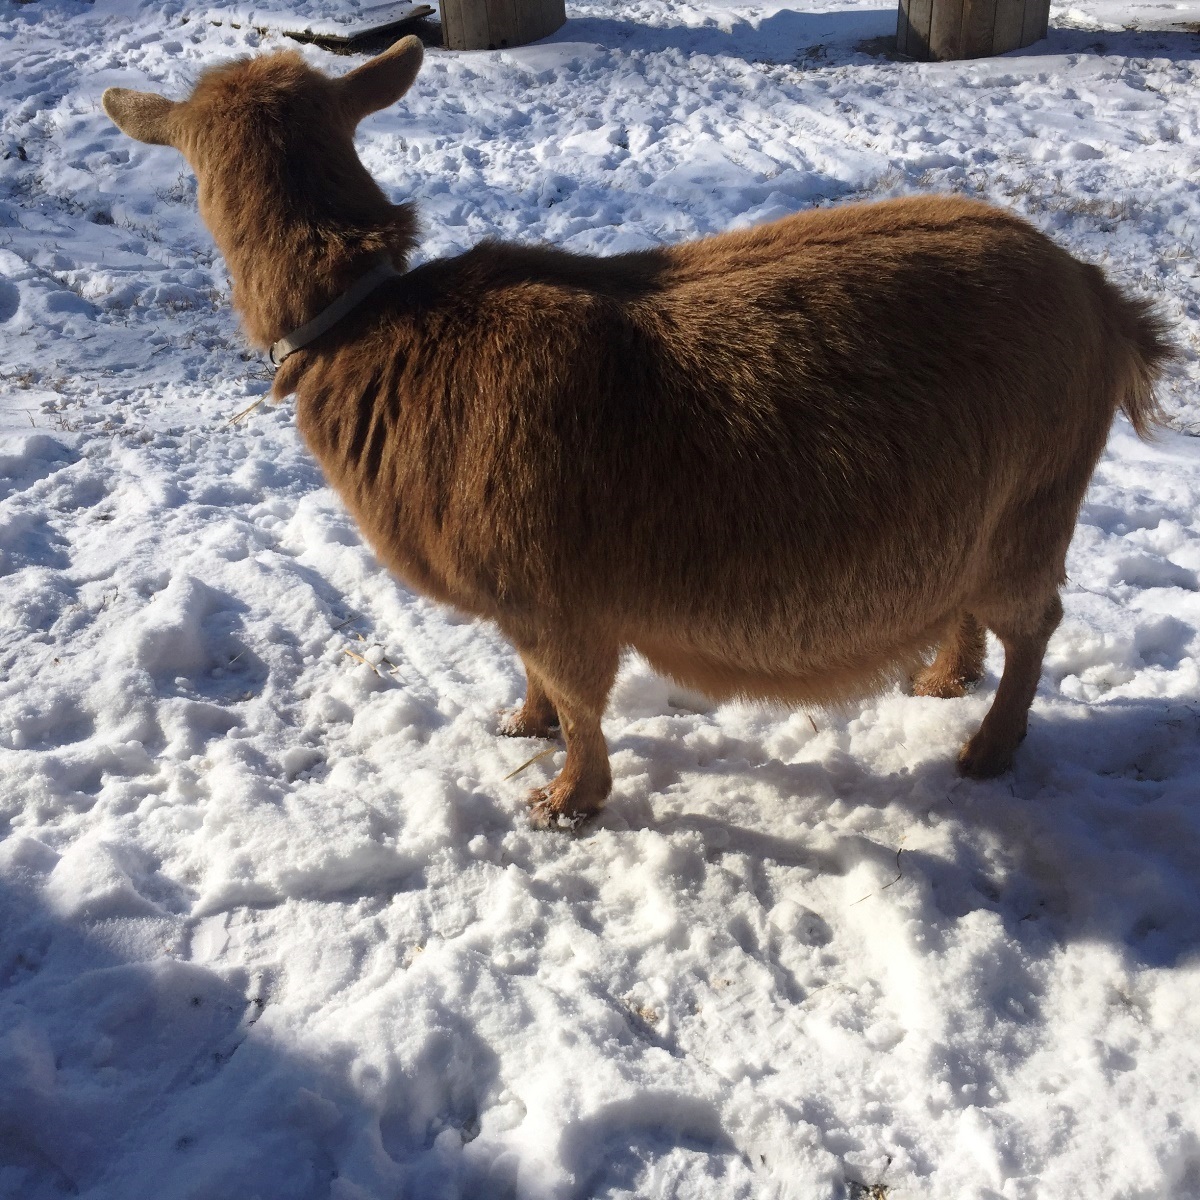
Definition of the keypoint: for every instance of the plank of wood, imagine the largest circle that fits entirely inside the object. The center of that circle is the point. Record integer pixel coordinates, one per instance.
(920, 15)
(945, 29)
(1010, 22)
(978, 27)
(540, 18)
(476, 30)
(451, 18)
(902, 27)
(505, 24)
(347, 39)
(1036, 22)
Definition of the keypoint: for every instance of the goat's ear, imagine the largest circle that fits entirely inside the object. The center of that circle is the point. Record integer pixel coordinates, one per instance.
(383, 80)
(145, 116)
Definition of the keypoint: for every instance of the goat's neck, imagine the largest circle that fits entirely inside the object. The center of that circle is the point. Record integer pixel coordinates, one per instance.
(283, 277)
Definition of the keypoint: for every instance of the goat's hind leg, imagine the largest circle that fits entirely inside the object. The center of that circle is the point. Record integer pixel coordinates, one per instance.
(537, 716)
(959, 662)
(1024, 636)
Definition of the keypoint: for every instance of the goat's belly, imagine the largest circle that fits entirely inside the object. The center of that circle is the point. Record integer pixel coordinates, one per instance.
(794, 679)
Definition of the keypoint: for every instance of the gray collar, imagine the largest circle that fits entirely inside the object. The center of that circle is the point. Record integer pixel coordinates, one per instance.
(329, 317)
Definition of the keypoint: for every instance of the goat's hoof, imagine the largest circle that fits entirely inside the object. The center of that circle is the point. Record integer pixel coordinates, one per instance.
(982, 760)
(518, 723)
(550, 808)
(942, 687)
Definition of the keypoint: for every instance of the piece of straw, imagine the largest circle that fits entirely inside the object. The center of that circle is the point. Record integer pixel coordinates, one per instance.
(238, 417)
(536, 758)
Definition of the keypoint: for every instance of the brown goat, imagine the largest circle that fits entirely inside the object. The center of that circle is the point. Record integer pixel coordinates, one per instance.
(784, 463)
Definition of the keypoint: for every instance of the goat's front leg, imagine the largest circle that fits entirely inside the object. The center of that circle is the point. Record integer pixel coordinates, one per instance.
(537, 717)
(576, 673)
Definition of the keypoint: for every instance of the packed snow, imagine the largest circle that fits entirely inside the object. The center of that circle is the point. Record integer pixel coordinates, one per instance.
(272, 920)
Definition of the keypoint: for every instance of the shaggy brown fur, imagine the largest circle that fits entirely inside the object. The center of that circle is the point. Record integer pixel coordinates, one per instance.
(783, 463)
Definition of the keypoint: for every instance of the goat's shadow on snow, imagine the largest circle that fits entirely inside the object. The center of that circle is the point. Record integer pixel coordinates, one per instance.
(1098, 826)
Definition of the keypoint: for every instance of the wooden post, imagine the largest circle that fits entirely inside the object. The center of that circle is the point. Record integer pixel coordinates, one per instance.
(936, 30)
(495, 24)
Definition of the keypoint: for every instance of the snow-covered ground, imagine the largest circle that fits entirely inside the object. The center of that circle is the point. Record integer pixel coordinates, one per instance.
(272, 922)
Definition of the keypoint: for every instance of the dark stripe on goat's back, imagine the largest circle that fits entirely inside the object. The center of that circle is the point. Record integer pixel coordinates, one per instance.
(362, 426)
(377, 442)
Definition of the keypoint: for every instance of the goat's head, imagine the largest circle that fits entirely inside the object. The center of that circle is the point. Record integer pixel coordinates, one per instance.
(277, 99)
(271, 141)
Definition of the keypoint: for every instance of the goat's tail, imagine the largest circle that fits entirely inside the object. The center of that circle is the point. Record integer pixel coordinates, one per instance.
(1148, 348)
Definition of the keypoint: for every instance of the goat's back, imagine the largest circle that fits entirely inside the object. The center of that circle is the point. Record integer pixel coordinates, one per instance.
(806, 443)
